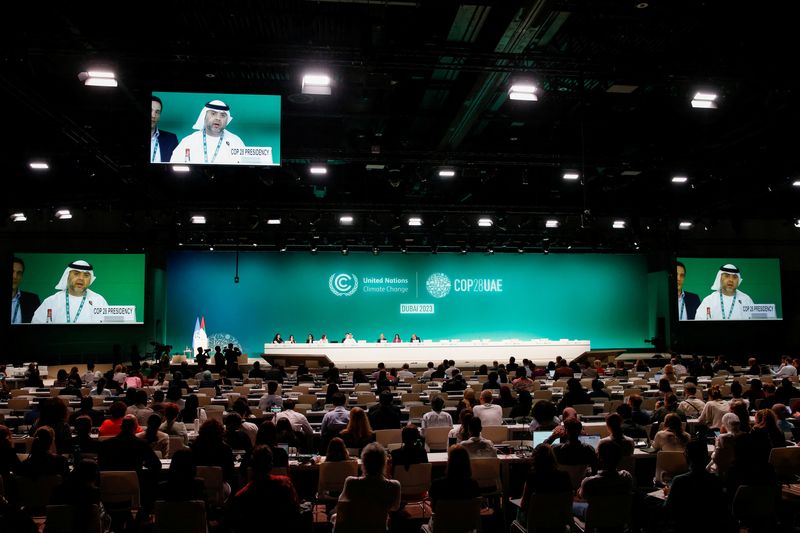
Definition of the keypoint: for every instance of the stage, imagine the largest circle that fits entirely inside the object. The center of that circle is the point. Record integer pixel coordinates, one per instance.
(366, 355)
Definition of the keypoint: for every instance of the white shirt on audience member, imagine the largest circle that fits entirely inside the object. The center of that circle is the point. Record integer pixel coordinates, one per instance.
(489, 413)
(432, 419)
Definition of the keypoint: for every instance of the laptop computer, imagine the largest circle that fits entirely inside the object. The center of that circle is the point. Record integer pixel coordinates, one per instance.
(591, 440)
(538, 437)
(658, 377)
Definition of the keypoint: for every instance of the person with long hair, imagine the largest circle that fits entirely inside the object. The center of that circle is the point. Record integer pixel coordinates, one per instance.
(157, 439)
(171, 425)
(337, 451)
(672, 438)
(615, 434)
(358, 432)
(210, 450)
(43, 459)
(268, 435)
(53, 414)
(457, 483)
(739, 408)
(112, 426)
(468, 401)
(461, 432)
(543, 477)
(766, 428)
(192, 410)
(182, 483)
(412, 450)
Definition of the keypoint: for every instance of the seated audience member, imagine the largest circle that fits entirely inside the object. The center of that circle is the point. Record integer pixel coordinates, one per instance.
(691, 405)
(783, 424)
(522, 382)
(358, 432)
(456, 383)
(697, 485)
(53, 413)
(476, 445)
(715, 408)
(786, 392)
(126, 452)
(300, 424)
(42, 461)
(672, 438)
(492, 382)
(372, 489)
(268, 435)
(574, 395)
(286, 434)
(208, 382)
(638, 415)
(235, 436)
(457, 483)
(111, 427)
(171, 425)
(334, 420)
(192, 411)
(87, 409)
(505, 399)
(598, 390)
(384, 415)
(544, 477)
(265, 499)
(766, 428)
(271, 398)
(412, 450)
(620, 371)
(337, 451)
(739, 408)
(241, 408)
(405, 372)
(468, 401)
(608, 482)
(436, 417)
(9, 461)
(629, 427)
(81, 490)
(154, 437)
(670, 407)
(330, 390)
(755, 392)
(210, 450)
(359, 376)
(723, 455)
(544, 416)
(560, 432)
(139, 408)
(641, 366)
(615, 434)
(754, 369)
(182, 483)
(488, 412)
(83, 442)
(257, 372)
(523, 407)
(461, 432)
(573, 451)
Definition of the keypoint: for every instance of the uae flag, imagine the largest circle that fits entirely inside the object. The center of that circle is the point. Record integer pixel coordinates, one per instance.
(199, 339)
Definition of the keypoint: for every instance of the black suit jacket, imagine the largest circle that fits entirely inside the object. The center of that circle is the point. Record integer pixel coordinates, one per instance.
(691, 302)
(126, 452)
(28, 304)
(167, 142)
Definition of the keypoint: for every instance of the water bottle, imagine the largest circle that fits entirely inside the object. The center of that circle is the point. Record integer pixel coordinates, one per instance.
(196, 425)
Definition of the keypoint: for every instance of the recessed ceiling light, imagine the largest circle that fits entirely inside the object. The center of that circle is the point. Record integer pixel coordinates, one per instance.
(523, 91)
(414, 221)
(551, 223)
(198, 219)
(621, 88)
(705, 96)
(685, 225)
(63, 214)
(346, 220)
(375, 166)
(679, 179)
(447, 173)
(98, 78)
(485, 222)
(19, 217)
(797, 223)
(318, 170)
(705, 100)
(273, 221)
(618, 224)
(630, 172)
(180, 168)
(316, 84)
(571, 175)
(39, 165)
(796, 183)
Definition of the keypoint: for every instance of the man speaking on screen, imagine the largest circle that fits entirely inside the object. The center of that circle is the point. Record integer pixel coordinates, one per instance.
(212, 142)
(727, 301)
(688, 302)
(74, 303)
(23, 303)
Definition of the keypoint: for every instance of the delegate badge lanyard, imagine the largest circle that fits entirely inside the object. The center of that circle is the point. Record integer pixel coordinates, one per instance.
(15, 313)
(155, 149)
(722, 306)
(205, 148)
(683, 306)
(80, 307)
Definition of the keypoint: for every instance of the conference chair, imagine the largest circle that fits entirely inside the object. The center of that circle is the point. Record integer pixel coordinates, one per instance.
(175, 443)
(214, 484)
(543, 394)
(351, 517)
(455, 516)
(33, 495)
(120, 494)
(496, 434)
(414, 483)
(211, 392)
(756, 507)
(436, 438)
(584, 409)
(70, 519)
(486, 473)
(606, 513)
(669, 465)
(409, 397)
(387, 437)
(546, 511)
(415, 412)
(331, 479)
(786, 462)
(576, 474)
(180, 517)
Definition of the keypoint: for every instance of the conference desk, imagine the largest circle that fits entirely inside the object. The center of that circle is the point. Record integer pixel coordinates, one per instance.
(464, 353)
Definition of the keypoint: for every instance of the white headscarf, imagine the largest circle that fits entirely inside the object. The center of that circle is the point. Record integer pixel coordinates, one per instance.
(215, 105)
(729, 269)
(81, 265)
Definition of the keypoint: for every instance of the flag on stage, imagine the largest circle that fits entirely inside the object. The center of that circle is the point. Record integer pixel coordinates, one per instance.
(199, 339)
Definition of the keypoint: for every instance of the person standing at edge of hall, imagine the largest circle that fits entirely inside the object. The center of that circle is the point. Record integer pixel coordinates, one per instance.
(23, 303)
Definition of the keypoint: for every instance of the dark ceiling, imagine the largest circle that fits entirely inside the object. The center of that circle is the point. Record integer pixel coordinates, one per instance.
(417, 86)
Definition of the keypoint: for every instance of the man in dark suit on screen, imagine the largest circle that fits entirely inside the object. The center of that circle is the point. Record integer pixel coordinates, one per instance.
(23, 304)
(162, 143)
(688, 302)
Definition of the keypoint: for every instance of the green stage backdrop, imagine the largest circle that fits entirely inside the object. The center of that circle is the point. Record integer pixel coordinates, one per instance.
(256, 117)
(120, 277)
(602, 298)
(761, 278)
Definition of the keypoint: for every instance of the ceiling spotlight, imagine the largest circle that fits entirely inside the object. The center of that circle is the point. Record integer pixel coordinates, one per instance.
(571, 175)
(797, 223)
(490, 250)
(318, 170)
(618, 224)
(485, 222)
(255, 245)
(316, 84)
(523, 91)
(375, 250)
(685, 225)
(344, 250)
(283, 248)
(39, 165)
(679, 179)
(796, 183)
(198, 219)
(313, 249)
(414, 221)
(273, 221)
(520, 250)
(180, 168)
(552, 223)
(98, 78)
(63, 214)
(463, 250)
(403, 250)
(447, 173)
(19, 217)
(346, 220)
(704, 100)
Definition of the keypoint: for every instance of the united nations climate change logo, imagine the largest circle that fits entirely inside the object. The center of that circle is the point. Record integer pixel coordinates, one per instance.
(438, 285)
(343, 284)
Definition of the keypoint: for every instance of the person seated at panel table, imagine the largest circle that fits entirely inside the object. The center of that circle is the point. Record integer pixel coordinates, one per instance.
(381, 338)
(291, 340)
(414, 338)
(277, 339)
(397, 338)
(348, 338)
(323, 338)
(310, 339)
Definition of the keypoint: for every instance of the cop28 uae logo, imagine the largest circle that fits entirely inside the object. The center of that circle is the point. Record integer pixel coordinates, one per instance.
(438, 285)
(343, 284)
